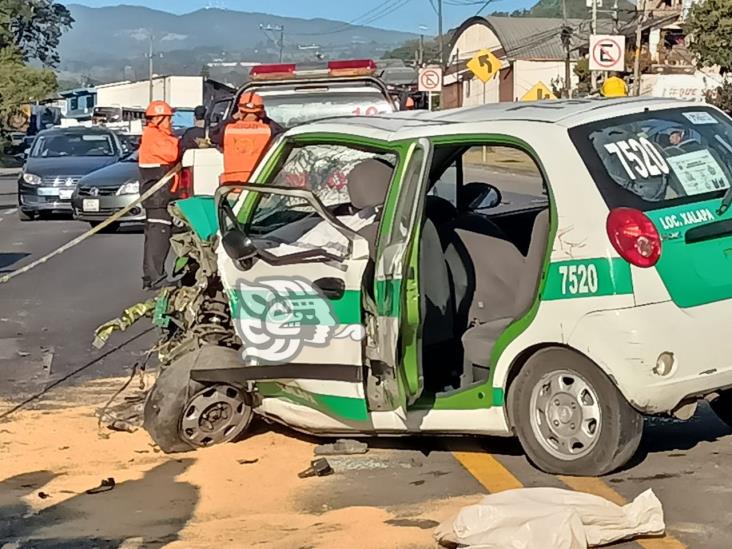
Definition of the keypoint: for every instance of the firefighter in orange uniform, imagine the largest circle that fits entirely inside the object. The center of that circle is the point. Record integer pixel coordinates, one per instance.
(245, 138)
(159, 152)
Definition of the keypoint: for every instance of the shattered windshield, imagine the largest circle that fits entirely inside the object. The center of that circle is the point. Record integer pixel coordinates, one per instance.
(322, 169)
(659, 158)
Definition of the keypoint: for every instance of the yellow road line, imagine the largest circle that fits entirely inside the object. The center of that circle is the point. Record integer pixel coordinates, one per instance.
(496, 478)
(488, 471)
(600, 488)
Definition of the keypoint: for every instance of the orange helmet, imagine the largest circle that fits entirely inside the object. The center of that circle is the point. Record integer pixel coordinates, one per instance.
(251, 103)
(158, 108)
(409, 103)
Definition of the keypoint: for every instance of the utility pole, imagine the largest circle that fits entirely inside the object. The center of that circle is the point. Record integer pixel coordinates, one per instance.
(440, 42)
(594, 31)
(566, 37)
(638, 41)
(420, 58)
(281, 42)
(616, 18)
(150, 66)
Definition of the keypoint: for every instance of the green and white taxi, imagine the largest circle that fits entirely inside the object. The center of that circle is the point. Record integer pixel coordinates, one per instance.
(550, 270)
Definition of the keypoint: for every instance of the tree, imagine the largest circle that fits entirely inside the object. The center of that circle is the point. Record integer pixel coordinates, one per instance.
(408, 51)
(21, 84)
(710, 26)
(34, 28)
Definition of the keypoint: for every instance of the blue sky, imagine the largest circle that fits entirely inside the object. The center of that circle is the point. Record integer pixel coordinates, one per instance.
(408, 18)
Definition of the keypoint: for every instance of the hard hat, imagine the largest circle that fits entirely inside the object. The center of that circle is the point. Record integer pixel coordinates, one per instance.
(409, 103)
(158, 108)
(251, 102)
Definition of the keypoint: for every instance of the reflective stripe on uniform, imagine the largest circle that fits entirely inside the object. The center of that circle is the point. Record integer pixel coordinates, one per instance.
(161, 221)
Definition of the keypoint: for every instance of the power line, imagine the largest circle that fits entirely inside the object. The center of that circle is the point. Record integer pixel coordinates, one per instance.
(374, 14)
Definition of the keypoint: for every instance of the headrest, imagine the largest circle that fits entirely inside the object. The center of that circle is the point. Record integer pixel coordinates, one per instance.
(439, 210)
(368, 183)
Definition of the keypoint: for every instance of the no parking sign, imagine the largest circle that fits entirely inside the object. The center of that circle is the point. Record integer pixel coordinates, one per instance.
(430, 79)
(607, 52)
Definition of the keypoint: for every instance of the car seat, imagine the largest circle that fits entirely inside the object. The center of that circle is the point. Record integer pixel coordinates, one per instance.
(368, 184)
(506, 284)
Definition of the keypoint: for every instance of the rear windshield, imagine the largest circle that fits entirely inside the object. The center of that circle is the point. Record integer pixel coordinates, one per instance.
(660, 158)
(291, 108)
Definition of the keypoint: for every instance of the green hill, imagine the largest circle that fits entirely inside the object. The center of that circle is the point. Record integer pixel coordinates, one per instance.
(577, 9)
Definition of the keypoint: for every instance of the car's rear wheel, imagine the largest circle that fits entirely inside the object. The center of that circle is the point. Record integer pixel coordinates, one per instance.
(111, 228)
(722, 406)
(569, 416)
(24, 215)
(182, 415)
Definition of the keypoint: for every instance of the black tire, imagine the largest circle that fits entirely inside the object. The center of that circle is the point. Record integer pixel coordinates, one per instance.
(166, 403)
(722, 406)
(26, 216)
(620, 426)
(171, 397)
(113, 228)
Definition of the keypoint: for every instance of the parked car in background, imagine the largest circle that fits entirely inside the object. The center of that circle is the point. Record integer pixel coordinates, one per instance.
(58, 159)
(105, 192)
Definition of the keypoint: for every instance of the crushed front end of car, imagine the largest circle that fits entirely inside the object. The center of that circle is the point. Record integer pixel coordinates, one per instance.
(192, 310)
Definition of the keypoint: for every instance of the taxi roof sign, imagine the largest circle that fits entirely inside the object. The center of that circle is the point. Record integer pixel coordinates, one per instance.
(484, 65)
(538, 92)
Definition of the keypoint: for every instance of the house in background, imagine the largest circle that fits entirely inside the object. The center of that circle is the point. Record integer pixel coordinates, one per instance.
(530, 50)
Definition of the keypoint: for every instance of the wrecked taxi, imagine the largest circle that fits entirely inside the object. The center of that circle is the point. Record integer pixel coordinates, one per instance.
(552, 271)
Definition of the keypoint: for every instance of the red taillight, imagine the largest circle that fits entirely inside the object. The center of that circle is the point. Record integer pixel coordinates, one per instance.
(634, 237)
(272, 71)
(185, 185)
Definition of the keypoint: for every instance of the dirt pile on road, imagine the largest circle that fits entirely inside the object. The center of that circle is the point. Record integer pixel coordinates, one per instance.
(246, 493)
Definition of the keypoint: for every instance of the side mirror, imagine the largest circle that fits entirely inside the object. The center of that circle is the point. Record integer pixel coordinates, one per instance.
(238, 246)
(482, 196)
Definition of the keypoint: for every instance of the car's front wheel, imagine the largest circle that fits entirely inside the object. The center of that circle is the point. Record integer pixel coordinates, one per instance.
(722, 406)
(182, 415)
(570, 418)
(24, 215)
(111, 228)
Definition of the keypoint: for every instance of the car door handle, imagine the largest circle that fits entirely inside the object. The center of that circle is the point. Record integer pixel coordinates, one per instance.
(330, 287)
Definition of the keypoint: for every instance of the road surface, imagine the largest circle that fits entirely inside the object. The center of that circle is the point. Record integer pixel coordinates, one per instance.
(46, 322)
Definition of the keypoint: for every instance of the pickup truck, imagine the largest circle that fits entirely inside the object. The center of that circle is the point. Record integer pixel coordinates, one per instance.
(293, 95)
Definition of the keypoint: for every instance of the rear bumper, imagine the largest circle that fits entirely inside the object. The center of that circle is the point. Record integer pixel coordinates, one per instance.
(627, 344)
(108, 205)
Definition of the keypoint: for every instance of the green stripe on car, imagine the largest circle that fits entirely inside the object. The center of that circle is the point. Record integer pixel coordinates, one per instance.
(594, 277)
(312, 309)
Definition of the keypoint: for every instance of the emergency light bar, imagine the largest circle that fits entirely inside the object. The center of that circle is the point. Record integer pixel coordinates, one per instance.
(357, 67)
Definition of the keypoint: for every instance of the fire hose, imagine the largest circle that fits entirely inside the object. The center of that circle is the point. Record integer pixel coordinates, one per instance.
(104, 224)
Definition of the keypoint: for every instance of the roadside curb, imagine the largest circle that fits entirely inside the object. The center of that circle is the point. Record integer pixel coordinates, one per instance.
(10, 171)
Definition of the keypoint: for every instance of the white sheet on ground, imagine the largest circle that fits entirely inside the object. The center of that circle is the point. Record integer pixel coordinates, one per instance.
(550, 518)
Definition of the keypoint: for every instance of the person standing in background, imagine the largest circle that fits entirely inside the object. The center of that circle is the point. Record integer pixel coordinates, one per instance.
(159, 153)
(195, 137)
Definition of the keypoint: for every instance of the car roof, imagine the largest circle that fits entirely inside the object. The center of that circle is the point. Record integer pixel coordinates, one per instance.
(75, 130)
(413, 124)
